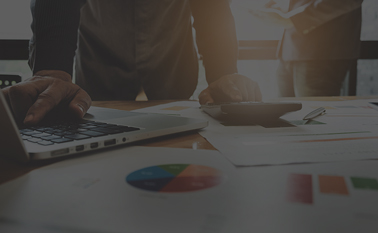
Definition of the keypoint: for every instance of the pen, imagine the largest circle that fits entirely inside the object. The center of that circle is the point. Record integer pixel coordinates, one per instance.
(317, 112)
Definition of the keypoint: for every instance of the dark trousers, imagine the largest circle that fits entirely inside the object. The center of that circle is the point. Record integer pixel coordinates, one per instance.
(311, 78)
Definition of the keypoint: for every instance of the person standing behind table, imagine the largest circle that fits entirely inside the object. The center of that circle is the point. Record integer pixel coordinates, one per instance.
(319, 44)
(124, 45)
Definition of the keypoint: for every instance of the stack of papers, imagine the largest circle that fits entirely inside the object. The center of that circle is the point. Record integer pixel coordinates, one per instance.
(347, 131)
(140, 189)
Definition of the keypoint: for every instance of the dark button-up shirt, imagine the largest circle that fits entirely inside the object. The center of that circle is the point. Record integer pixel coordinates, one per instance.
(125, 44)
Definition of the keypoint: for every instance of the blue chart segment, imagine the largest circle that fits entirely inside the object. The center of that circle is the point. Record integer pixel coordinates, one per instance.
(173, 178)
(149, 173)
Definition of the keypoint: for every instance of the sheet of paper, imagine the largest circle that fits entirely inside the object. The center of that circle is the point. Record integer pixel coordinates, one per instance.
(103, 193)
(340, 108)
(347, 131)
(192, 109)
(340, 116)
(306, 148)
(126, 190)
(343, 119)
(333, 197)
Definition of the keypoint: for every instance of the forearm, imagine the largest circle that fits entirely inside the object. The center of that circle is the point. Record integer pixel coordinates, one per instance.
(55, 25)
(216, 37)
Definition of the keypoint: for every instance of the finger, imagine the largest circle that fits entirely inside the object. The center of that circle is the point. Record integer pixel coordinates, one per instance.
(205, 97)
(255, 92)
(231, 91)
(80, 103)
(46, 101)
(21, 98)
(244, 89)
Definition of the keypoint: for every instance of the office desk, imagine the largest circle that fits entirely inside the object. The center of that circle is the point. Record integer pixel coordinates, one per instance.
(10, 170)
(268, 188)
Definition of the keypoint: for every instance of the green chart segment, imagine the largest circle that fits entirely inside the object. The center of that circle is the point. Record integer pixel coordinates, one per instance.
(175, 178)
(364, 183)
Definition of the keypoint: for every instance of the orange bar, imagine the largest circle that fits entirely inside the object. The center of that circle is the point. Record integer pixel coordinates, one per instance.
(333, 185)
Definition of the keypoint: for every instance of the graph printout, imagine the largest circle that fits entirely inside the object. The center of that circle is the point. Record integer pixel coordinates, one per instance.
(302, 189)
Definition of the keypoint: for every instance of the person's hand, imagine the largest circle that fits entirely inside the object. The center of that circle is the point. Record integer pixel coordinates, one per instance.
(273, 16)
(31, 100)
(231, 88)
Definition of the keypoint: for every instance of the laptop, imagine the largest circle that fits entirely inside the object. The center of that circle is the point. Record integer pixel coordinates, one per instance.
(100, 128)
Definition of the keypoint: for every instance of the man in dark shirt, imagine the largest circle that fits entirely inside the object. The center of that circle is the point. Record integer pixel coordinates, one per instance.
(123, 46)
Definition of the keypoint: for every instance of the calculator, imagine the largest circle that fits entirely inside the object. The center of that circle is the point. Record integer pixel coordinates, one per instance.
(249, 112)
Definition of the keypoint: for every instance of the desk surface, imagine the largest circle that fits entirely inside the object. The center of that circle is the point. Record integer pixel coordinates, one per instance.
(323, 196)
(10, 170)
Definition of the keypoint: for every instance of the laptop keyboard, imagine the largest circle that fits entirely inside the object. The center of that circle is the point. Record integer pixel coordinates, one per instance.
(47, 135)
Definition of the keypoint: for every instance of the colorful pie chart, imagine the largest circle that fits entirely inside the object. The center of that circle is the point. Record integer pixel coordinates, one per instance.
(175, 178)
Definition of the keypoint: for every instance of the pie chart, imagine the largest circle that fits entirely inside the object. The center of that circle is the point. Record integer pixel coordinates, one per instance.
(175, 178)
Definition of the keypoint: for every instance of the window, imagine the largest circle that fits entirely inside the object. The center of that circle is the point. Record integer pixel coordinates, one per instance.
(367, 70)
(250, 28)
(15, 19)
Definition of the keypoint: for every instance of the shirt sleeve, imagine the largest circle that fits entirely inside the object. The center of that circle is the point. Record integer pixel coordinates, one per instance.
(55, 29)
(318, 12)
(216, 37)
